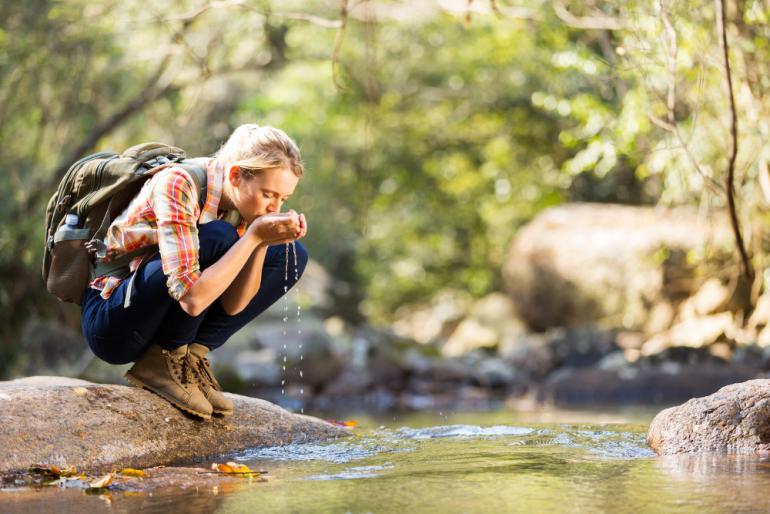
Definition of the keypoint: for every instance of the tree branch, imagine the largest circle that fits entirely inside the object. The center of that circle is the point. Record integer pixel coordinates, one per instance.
(748, 269)
(149, 94)
(338, 43)
(670, 125)
(597, 21)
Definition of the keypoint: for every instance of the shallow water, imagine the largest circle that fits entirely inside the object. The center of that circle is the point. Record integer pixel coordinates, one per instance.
(462, 462)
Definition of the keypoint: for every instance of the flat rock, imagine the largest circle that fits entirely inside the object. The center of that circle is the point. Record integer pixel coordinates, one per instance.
(734, 419)
(68, 422)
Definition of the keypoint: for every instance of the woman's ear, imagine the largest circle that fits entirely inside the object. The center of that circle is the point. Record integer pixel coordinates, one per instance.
(234, 175)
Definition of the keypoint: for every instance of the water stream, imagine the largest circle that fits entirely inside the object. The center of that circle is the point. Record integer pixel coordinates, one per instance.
(500, 461)
(285, 319)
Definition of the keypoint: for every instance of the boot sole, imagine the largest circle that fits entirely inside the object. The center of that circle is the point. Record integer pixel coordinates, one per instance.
(138, 383)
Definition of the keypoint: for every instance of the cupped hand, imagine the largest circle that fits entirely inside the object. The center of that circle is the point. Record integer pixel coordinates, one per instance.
(279, 227)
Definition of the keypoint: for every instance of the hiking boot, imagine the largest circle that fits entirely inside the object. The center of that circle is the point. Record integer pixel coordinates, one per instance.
(170, 374)
(206, 381)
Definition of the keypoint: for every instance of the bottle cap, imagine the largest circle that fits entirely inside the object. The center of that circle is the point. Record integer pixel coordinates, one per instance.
(71, 219)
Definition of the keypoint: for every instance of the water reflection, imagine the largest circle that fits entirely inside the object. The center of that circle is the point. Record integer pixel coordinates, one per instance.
(707, 467)
(459, 467)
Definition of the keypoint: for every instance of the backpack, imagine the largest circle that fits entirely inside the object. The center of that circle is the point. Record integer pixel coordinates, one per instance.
(93, 192)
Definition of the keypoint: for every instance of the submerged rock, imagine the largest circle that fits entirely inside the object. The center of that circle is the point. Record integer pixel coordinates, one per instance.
(69, 422)
(735, 418)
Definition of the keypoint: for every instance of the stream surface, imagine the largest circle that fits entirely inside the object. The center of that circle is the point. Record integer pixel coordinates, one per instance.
(500, 461)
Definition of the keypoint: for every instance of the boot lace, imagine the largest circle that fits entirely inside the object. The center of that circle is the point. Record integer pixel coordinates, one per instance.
(183, 369)
(204, 372)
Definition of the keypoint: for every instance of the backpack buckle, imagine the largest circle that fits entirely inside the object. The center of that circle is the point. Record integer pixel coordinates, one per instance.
(97, 248)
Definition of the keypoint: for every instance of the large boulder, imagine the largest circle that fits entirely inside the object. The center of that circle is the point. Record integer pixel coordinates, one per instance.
(70, 422)
(735, 418)
(581, 263)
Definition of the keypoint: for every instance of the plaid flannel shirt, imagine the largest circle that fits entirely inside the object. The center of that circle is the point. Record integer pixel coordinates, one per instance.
(166, 213)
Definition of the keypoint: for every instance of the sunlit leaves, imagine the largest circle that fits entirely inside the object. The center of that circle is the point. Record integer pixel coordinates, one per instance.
(235, 469)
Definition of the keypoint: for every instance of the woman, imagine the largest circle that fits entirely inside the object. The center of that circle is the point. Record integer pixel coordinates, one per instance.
(211, 276)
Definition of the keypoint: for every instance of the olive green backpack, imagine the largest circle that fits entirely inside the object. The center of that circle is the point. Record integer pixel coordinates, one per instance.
(93, 192)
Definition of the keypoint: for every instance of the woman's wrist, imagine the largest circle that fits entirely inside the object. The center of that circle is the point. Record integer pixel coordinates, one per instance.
(257, 241)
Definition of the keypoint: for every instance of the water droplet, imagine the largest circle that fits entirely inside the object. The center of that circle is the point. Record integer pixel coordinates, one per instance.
(301, 390)
(286, 269)
(301, 374)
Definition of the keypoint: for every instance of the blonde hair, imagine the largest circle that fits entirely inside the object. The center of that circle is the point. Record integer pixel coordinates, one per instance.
(255, 149)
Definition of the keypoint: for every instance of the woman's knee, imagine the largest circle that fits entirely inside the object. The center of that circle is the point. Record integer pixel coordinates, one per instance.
(215, 239)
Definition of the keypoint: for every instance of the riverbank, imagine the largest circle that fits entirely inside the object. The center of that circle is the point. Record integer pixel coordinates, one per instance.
(94, 428)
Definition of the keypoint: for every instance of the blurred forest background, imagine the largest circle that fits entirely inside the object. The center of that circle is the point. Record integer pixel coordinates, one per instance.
(432, 131)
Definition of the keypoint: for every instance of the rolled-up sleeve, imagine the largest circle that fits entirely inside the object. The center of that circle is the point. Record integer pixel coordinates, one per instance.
(175, 204)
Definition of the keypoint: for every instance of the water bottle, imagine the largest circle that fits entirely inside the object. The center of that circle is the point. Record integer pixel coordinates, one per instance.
(70, 231)
(71, 220)
(69, 269)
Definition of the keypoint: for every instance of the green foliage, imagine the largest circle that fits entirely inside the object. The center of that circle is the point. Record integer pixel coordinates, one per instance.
(443, 140)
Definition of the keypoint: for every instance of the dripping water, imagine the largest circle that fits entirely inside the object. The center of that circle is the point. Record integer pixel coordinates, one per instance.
(299, 319)
(285, 318)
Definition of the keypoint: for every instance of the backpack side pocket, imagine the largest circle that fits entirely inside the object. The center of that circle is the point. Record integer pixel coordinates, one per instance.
(70, 265)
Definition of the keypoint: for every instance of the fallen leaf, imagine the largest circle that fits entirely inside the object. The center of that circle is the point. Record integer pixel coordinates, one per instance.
(350, 423)
(51, 471)
(69, 472)
(222, 468)
(239, 468)
(105, 481)
(131, 472)
(233, 468)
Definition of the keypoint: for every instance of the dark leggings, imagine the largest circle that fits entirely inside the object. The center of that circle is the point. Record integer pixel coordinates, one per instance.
(120, 335)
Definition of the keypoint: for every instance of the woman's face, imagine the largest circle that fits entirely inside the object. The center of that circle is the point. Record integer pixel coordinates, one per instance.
(261, 194)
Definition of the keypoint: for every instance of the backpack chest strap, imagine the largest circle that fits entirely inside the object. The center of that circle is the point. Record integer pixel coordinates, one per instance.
(120, 266)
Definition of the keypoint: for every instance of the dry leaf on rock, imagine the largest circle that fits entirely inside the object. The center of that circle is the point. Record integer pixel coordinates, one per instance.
(52, 471)
(104, 481)
(131, 472)
(233, 468)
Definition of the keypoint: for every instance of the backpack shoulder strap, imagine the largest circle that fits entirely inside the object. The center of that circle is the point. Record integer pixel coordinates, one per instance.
(199, 175)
